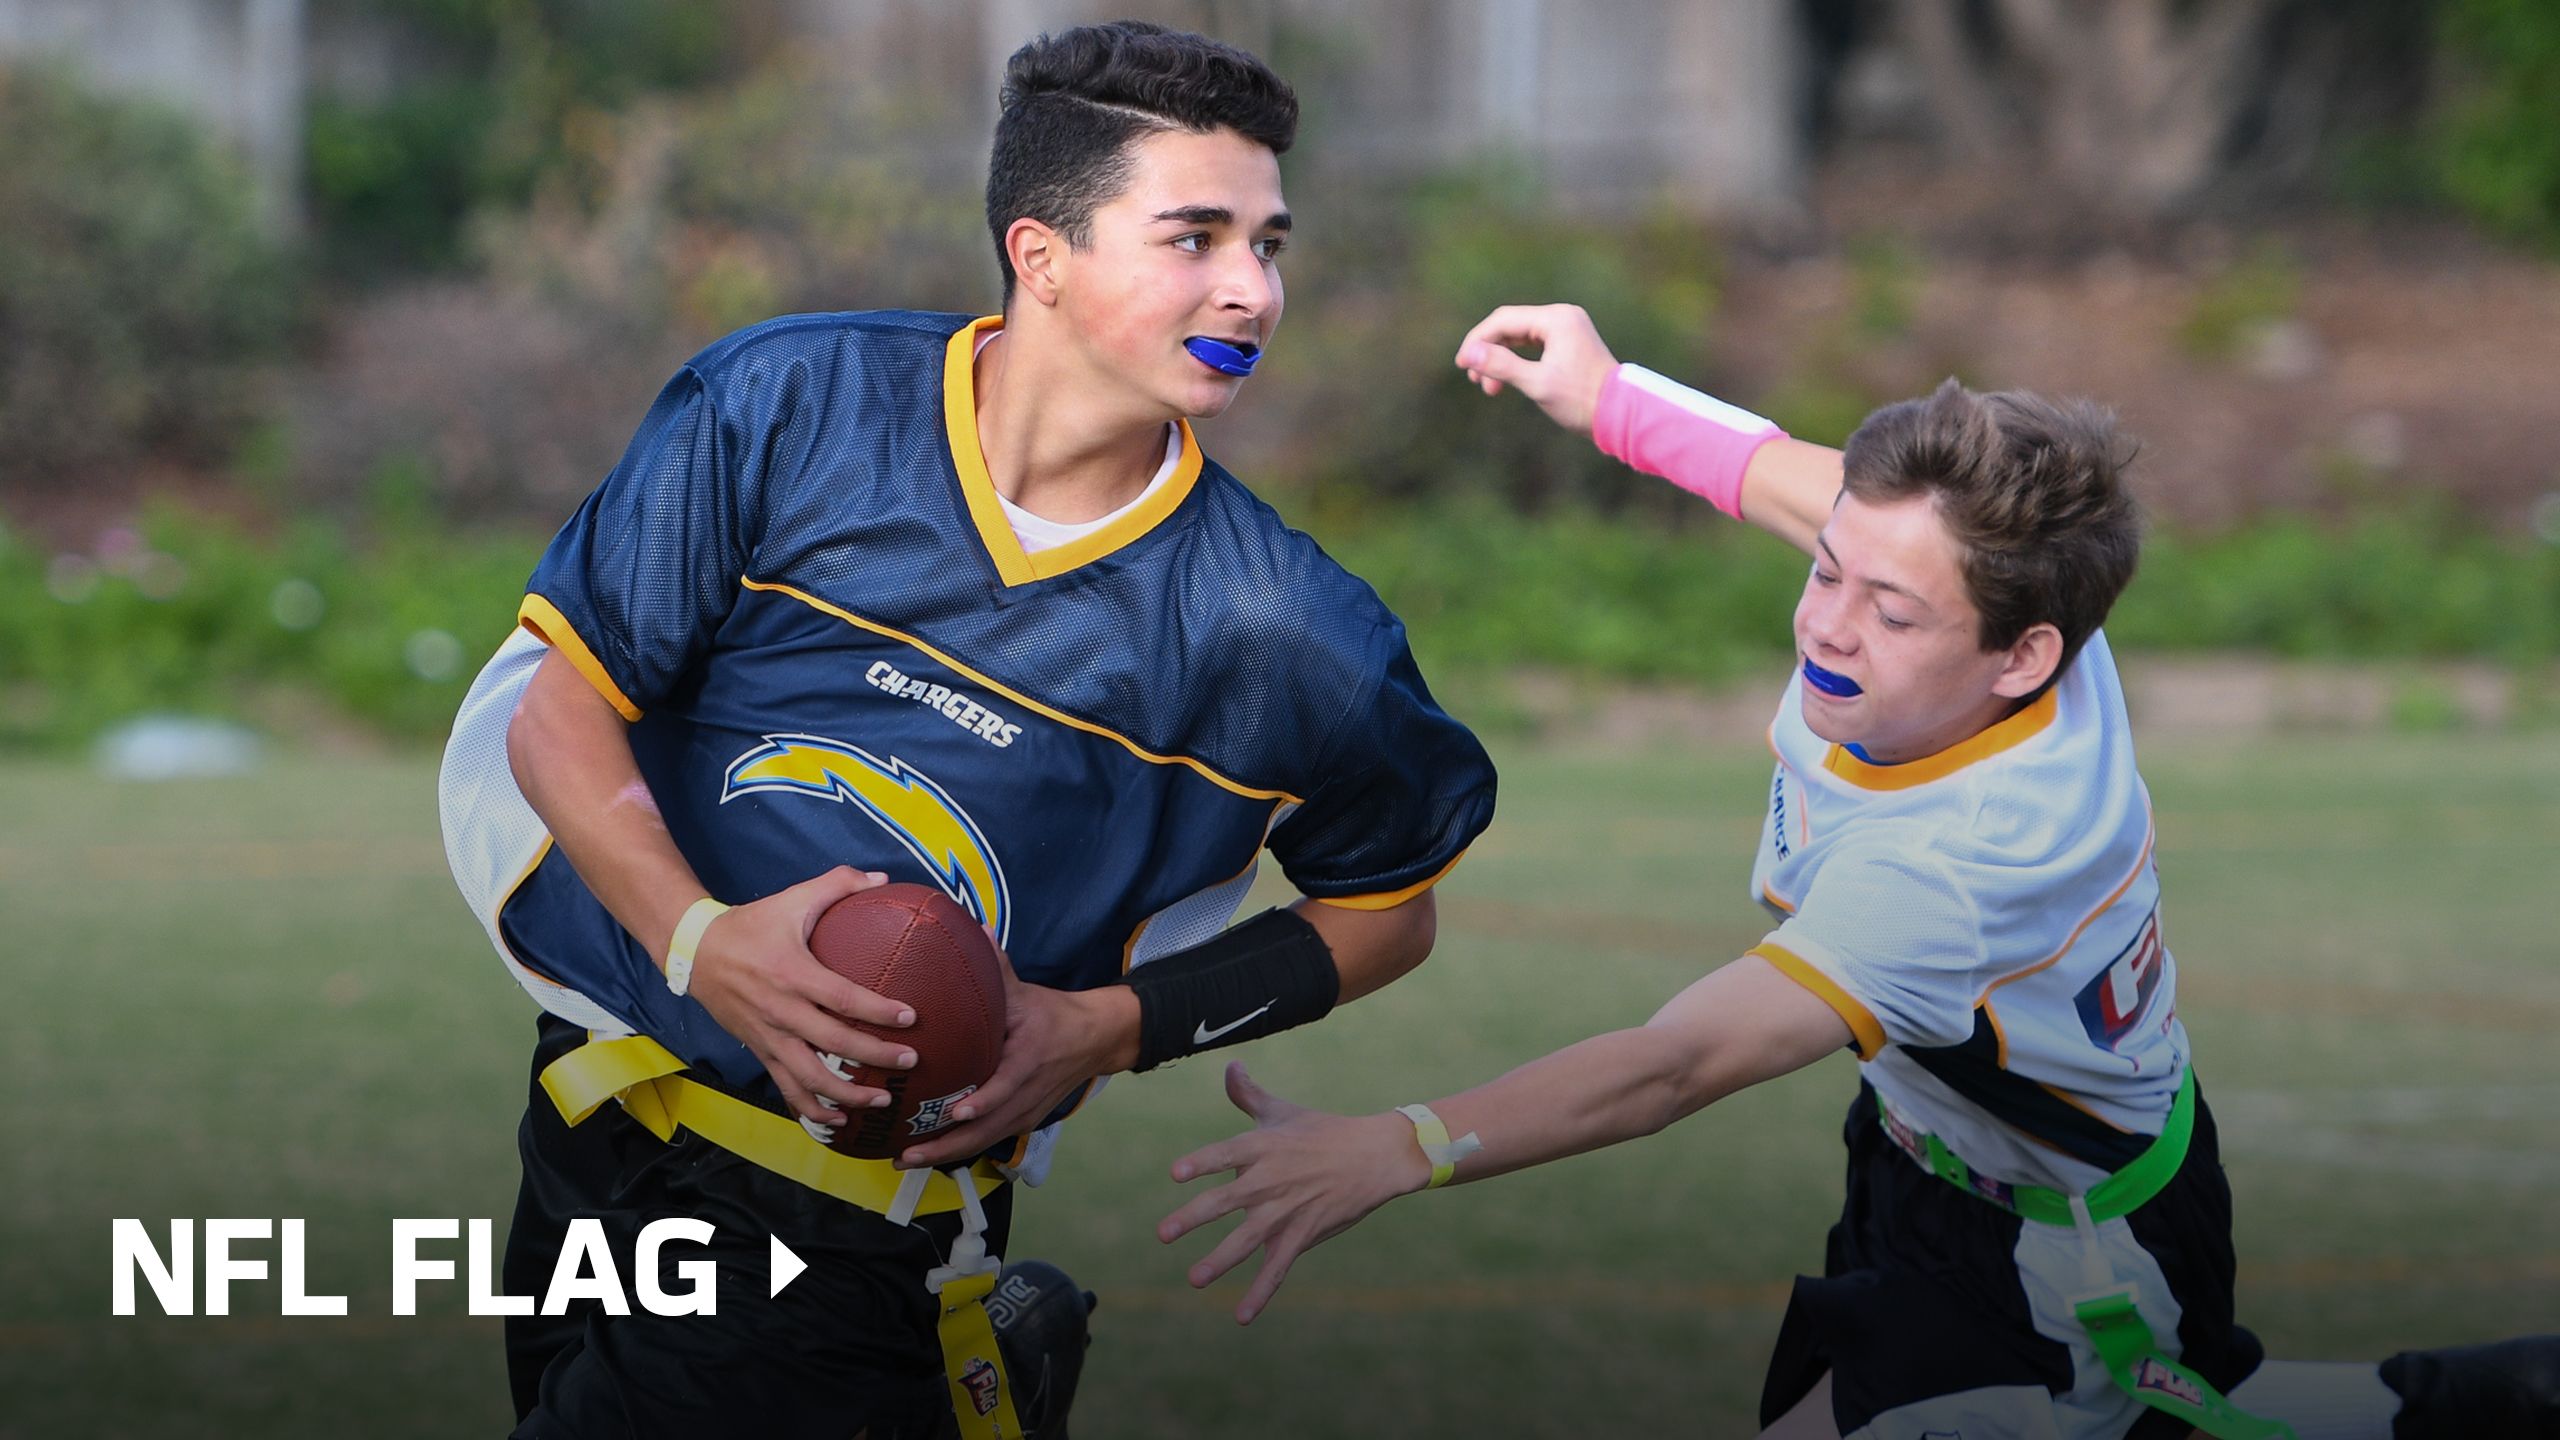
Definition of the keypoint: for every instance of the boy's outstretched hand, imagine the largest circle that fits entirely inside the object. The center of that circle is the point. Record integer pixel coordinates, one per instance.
(1302, 1177)
(1572, 365)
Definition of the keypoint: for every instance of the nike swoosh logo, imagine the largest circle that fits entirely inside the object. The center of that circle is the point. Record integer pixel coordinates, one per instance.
(1202, 1034)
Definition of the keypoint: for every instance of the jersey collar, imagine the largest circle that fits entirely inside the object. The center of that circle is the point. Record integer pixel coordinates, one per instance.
(1013, 565)
(2016, 730)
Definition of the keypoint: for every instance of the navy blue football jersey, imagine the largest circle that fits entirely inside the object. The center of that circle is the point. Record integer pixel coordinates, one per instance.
(799, 588)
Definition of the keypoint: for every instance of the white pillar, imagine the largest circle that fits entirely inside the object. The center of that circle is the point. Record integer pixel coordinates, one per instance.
(1512, 87)
(271, 108)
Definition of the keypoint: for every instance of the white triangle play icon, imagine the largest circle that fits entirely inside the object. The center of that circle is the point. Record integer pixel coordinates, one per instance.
(786, 1266)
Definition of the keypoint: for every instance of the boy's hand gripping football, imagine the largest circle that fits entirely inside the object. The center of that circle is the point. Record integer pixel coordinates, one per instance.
(754, 973)
(1054, 1041)
(1302, 1177)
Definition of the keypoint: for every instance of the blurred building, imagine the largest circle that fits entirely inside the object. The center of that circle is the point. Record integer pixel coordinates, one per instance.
(1698, 101)
(1613, 105)
(239, 64)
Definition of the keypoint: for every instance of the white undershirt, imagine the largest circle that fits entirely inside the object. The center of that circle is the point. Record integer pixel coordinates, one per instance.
(1037, 533)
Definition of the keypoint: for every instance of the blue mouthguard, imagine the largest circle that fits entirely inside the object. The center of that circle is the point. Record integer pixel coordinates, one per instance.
(1837, 686)
(1222, 357)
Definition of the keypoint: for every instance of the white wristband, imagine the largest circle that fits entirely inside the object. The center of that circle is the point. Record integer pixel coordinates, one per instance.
(1443, 1152)
(697, 918)
(1722, 413)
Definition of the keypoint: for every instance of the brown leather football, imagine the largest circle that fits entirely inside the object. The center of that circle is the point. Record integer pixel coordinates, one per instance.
(912, 944)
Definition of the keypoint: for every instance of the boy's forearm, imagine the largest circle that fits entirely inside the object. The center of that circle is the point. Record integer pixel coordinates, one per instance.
(1741, 463)
(1350, 953)
(1373, 948)
(571, 756)
(1730, 1030)
(1591, 1094)
(1789, 489)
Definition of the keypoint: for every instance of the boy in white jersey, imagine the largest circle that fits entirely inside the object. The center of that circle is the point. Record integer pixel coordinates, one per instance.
(1958, 850)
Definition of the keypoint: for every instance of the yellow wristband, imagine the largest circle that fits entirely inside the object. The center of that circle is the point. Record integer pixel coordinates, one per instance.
(697, 918)
(1443, 1152)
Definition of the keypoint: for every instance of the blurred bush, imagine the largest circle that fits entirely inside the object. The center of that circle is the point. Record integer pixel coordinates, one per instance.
(510, 390)
(1389, 281)
(2499, 127)
(1484, 587)
(657, 227)
(493, 97)
(305, 634)
(390, 181)
(2405, 581)
(2236, 305)
(301, 634)
(790, 193)
(1866, 356)
(138, 297)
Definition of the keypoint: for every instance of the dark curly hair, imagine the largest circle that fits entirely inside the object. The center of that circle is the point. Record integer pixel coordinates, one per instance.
(2031, 488)
(1074, 102)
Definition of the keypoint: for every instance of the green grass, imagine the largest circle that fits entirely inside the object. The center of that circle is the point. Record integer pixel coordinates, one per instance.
(262, 998)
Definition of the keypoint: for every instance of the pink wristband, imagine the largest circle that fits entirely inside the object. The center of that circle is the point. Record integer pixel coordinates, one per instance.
(1664, 428)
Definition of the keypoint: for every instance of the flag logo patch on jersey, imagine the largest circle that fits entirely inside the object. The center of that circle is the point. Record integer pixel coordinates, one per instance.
(2115, 1002)
(903, 800)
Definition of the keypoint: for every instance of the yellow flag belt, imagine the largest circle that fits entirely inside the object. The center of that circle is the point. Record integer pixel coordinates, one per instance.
(648, 1079)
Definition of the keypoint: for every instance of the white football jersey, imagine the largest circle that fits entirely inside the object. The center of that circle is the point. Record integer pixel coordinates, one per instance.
(1987, 920)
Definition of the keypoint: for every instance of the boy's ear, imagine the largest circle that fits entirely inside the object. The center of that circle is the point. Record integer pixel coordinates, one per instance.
(1034, 249)
(2031, 662)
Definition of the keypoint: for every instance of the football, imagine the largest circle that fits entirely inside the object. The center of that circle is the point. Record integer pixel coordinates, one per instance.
(913, 944)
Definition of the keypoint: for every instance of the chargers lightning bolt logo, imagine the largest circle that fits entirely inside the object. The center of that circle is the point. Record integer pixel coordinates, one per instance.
(904, 801)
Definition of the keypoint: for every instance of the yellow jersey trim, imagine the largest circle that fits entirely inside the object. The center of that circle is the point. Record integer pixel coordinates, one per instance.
(1018, 698)
(1392, 898)
(2016, 730)
(1867, 1035)
(553, 629)
(1014, 566)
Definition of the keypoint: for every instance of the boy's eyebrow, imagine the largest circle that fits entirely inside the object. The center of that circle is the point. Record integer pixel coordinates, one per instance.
(1905, 591)
(1218, 215)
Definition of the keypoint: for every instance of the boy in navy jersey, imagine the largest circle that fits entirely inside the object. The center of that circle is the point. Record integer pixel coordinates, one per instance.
(959, 601)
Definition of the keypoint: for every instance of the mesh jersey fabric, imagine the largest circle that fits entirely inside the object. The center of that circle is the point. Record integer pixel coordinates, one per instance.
(1988, 920)
(784, 587)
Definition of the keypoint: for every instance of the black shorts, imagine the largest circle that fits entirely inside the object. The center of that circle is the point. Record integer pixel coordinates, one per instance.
(1941, 1312)
(847, 1349)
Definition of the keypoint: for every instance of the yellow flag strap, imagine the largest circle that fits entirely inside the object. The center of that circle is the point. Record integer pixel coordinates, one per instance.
(980, 1398)
(972, 1365)
(645, 1076)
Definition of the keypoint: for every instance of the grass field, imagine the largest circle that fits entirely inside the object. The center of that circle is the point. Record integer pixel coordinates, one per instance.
(261, 998)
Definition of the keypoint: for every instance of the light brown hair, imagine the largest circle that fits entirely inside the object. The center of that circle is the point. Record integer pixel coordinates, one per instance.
(2031, 488)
